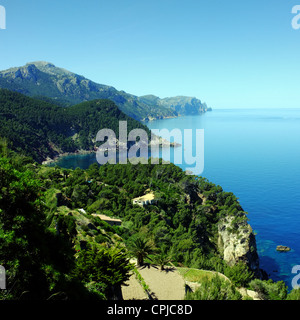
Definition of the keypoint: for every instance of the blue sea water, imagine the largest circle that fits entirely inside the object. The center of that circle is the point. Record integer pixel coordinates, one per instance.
(254, 153)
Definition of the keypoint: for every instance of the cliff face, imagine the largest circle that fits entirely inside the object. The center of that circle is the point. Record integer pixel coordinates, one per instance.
(180, 105)
(237, 242)
(184, 105)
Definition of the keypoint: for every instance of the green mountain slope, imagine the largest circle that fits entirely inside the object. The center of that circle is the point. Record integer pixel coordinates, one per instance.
(43, 79)
(41, 129)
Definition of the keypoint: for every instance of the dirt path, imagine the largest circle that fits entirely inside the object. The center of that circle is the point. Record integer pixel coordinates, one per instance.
(134, 290)
(164, 285)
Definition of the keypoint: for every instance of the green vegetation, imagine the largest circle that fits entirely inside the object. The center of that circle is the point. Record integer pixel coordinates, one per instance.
(294, 294)
(141, 249)
(40, 129)
(196, 275)
(270, 290)
(239, 274)
(53, 247)
(53, 252)
(214, 288)
(105, 268)
(162, 260)
(142, 281)
(211, 285)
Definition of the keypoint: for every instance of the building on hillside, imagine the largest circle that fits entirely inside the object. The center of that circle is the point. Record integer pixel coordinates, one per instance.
(109, 220)
(145, 200)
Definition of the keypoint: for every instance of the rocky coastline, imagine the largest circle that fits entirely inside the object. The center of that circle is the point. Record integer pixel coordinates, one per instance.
(239, 245)
(158, 141)
(49, 160)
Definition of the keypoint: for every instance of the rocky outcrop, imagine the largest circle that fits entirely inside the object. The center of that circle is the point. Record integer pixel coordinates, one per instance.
(283, 248)
(184, 105)
(236, 242)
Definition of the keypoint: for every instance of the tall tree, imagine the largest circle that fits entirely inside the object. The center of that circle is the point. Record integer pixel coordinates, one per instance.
(141, 249)
(107, 268)
(22, 232)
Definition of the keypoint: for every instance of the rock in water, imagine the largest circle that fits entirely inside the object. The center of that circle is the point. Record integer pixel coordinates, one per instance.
(283, 248)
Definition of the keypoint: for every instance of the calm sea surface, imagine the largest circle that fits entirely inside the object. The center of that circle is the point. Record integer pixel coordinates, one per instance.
(256, 155)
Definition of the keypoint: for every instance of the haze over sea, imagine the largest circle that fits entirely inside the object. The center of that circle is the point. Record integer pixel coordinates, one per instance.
(254, 153)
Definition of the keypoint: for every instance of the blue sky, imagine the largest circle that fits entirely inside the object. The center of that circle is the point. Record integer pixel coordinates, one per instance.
(230, 54)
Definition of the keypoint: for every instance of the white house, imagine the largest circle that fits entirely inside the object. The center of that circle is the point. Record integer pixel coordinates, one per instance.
(145, 200)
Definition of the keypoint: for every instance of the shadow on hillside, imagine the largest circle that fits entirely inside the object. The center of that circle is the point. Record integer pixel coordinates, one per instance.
(151, 265)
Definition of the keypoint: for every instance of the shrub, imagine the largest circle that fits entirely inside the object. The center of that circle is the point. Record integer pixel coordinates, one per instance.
(239, 274)
(269, 290)
(214, 289)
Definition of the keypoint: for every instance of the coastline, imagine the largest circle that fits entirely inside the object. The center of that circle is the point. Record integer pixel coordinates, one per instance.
(159, 141)
(66, 154)
(149, 119)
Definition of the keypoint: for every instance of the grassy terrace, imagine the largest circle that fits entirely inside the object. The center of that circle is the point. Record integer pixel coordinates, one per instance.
(196, 275)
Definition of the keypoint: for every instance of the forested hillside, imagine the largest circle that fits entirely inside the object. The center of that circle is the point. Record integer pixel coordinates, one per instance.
(41, 129)
(54, 247)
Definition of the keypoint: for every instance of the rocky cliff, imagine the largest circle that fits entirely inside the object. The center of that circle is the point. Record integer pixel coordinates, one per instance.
(236, 242)
(180, 105)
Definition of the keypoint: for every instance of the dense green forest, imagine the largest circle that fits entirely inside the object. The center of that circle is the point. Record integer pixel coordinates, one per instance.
(53, 247)
(40, 129)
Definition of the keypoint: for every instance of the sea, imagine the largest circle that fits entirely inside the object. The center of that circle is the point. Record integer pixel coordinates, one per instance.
(254, 153)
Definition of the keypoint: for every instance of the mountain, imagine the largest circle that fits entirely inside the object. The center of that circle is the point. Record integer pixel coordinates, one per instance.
(43, 79)
(181, 105)
(43, 130)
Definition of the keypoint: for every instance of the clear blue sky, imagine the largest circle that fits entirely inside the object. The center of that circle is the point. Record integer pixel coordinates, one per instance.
(230, 54)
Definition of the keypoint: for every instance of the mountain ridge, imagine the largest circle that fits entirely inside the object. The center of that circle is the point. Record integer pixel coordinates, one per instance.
(43, 79)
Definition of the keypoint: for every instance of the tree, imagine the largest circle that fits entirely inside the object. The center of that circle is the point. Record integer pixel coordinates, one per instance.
(141, 249)
(37, 261)
(269, 290)
(109, 268)
(294, 294)
(20, 229)
(162, 259)
(26, 246)
(239, 274)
